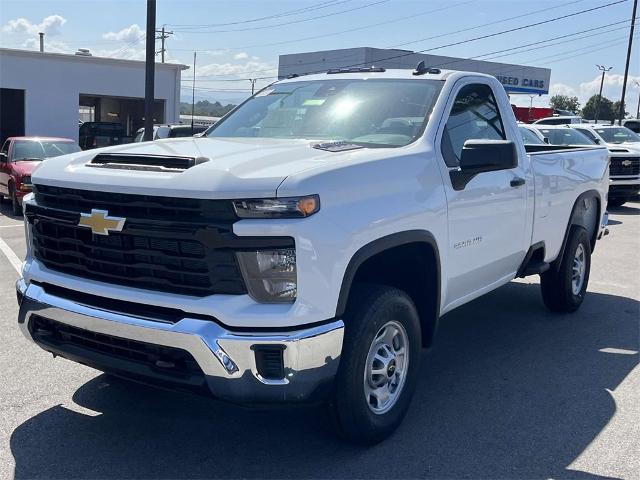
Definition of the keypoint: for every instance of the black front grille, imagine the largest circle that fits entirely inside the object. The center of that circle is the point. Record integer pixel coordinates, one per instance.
(136, 206)
(97, 348)
(175, 245)
(624, 166)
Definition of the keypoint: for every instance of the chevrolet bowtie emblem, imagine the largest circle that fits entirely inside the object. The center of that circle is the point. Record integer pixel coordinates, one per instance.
(100, 222)
(626, 163)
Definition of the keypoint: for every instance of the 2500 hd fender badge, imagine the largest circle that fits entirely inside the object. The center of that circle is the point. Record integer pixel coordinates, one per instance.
(467, 243)
(100, 222)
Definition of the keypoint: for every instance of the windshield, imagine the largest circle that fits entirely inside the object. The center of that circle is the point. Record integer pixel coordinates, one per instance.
(41, 149)
(372, 112)
(530, 138)
(618, 135)
(566, 136)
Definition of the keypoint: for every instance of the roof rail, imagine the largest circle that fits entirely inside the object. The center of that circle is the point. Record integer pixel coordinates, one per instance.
(421, 69)
(356, 70)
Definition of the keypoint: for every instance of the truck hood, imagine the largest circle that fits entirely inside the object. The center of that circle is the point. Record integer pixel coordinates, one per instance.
(25, 167)
(235, 167)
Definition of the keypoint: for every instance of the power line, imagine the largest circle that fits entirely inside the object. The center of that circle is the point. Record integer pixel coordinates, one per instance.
(333, 34)
(367, 5)
(319, 6)
(535, 45)
(495, 22)
(482, 37)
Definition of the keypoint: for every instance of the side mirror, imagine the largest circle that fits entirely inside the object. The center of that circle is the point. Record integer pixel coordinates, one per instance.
(479, 156)
(597, 140)
(3, 157)
(546, 140)
(487, 156)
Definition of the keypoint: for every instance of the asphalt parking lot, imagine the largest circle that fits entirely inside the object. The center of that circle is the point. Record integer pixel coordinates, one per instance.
(508, 391)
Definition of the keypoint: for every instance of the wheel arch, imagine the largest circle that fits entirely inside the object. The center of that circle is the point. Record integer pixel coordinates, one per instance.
(583, 215)
(396, 247)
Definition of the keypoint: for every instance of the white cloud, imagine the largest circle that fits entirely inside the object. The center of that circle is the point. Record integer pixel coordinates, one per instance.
(50, 25)
(241, 56)
(258, 69)
(128, 34)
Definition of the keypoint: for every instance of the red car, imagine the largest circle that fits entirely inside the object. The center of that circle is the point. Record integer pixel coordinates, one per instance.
(19, 156)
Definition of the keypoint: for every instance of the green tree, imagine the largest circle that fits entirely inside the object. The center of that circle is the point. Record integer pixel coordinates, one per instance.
(605, 111)
(565, 102)
(616, 110)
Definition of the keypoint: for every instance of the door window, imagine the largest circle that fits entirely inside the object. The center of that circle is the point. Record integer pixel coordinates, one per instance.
(474, 115)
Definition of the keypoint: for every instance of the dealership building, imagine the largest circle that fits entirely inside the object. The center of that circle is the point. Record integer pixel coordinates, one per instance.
(515, 78)
(46, 94)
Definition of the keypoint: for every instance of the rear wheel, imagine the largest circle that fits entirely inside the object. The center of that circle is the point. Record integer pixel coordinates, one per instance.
(378, 366)
(564, 288)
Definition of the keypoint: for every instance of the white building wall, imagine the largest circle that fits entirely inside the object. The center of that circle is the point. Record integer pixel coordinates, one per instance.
(53, 84)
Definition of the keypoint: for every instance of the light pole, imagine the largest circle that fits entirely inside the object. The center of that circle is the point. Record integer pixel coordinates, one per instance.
(638, 110)
(626, 67)
(604, 70)
(531, 97)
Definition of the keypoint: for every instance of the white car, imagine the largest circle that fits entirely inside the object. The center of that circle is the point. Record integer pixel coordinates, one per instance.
(563, 135)
(624, 146)
(306, 248)
(558, 120)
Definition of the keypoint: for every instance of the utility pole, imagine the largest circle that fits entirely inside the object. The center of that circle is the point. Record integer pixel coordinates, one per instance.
(164, 34)
(626, 68)
(149, 74)
(193, 91)
(638, 110)
(604, 70)
(531, 97)
(253, 84)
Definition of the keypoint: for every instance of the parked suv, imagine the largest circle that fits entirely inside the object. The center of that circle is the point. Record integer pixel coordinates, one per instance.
(19, 156)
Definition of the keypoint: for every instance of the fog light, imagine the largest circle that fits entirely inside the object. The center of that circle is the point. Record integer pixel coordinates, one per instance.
(270, 275)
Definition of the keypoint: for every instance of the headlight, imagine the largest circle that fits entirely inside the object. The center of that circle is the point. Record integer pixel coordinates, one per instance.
(25, 183)
(270, 275)
(288, 207)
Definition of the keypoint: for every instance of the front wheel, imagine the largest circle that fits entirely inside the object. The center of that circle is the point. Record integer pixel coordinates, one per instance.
(16, 208)
(378, 366)
(563, 288)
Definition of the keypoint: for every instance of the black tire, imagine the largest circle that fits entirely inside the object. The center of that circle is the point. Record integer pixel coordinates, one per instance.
(557, 283)
(16, 208)
(370, 308)
(616, 202)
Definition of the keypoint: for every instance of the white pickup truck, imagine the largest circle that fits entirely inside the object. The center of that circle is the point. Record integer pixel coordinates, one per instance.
(305, 248)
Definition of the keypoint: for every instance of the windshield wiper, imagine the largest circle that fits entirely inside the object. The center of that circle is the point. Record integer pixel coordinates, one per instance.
(28, 159)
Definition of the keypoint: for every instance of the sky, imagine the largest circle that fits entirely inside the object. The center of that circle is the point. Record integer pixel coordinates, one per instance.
(242, 39)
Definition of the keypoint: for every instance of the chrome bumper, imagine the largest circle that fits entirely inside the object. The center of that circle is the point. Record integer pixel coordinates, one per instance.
(227, 359)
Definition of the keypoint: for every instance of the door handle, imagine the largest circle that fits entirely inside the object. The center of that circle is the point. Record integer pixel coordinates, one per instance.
(517, 182)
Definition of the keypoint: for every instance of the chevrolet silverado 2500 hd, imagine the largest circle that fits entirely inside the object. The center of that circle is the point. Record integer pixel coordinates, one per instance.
(305, 248)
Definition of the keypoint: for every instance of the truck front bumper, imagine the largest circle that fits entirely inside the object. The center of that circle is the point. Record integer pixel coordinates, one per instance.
(194, 354)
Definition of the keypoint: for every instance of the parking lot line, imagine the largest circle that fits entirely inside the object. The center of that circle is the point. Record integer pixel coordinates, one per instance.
(11, 256)
(12, 226)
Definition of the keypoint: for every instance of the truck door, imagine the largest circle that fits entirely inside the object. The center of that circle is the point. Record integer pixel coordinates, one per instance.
(487, 216)
(4, 168)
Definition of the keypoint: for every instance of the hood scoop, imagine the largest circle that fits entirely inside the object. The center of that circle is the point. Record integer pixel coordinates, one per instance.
(146, 163)
(337, 146)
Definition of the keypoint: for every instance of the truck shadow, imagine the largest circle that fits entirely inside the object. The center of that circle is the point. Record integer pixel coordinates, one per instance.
(509, 391)
(629, 208)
